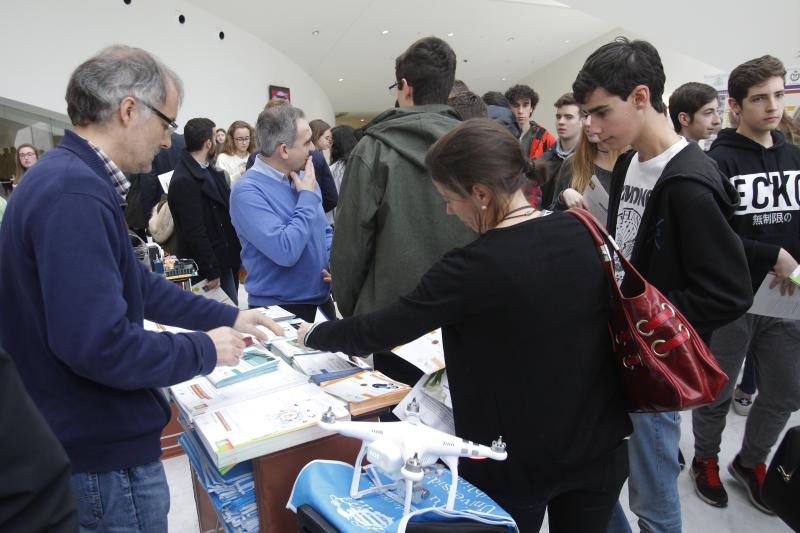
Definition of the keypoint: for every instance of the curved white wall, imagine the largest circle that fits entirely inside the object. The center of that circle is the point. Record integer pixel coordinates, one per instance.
(224, 80)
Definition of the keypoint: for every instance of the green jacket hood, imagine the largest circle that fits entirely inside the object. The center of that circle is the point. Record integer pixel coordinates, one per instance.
(410, 131)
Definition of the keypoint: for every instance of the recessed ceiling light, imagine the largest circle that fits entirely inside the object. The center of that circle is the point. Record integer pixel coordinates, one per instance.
(384, 32)
(341, 79)
(315, 33)
(503, 79)
(450, 34)
(510, 39)
(362, 120)
(566, 42)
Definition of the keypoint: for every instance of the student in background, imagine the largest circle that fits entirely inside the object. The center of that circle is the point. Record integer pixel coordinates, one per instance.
(344, 140)
(219, 135)
(535, 139)
(759, 163)
(569, 126)
(486, 298)
(592, 158)
(240, 142)
(694, 111)
(468, 105)
(391, 226)
(620, 88)
(321, 134)
(27, 156)
(498, 108)
(199, 200)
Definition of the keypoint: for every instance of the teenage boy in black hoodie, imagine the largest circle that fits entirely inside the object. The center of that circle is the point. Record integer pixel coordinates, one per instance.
(668, 211)
(765, 171)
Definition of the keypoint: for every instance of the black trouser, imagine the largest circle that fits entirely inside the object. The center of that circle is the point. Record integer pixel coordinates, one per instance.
(307, 312)
(580, 501)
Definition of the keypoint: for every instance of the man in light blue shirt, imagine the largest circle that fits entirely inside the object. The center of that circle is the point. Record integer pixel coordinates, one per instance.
(276, 209)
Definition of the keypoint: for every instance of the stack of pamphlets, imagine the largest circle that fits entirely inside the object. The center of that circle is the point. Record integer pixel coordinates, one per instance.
(199, 395)
(232, 494)
(266, 423)
(367, 391)
(325, 366)
(255, 361)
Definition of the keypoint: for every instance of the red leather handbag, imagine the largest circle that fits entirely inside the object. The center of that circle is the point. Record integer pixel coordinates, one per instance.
(664, 364)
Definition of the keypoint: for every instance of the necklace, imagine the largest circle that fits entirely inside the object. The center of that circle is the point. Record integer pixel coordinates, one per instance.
(529, 213)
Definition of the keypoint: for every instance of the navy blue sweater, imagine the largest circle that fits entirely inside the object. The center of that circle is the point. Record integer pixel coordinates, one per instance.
(72, 300)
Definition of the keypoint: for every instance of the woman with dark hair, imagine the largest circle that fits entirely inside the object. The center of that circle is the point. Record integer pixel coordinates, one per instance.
(27, 156)
(240, 142)
(343, 142)
(321, 134)
(524, 312)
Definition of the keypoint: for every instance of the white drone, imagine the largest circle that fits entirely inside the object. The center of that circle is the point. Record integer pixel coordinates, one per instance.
(405, 451)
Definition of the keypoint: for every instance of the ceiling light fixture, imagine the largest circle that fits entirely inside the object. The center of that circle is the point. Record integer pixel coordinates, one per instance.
(566, 42)
(503, 79)
(384, 32)
(362, 120)
(315, 33)
(450, 34)
(341, 79)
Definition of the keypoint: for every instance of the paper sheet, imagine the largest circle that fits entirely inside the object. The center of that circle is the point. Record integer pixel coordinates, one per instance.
(770, 302)
(164, 180)
(431, 412)
(596, 199)
(216, 293)
(425, 353)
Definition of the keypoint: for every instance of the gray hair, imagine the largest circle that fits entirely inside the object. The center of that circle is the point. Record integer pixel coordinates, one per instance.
(100, 83)
(276, 126)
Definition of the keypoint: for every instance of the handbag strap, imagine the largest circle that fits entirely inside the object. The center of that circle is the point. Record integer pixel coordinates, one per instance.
(607, 247)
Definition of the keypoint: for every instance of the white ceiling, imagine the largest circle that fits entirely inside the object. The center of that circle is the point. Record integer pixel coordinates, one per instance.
(496, 39)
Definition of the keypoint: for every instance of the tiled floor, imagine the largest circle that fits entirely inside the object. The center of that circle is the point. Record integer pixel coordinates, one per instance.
(739, 517)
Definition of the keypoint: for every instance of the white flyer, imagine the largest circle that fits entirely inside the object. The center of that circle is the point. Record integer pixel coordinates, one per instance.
(216, 293)
(425, 353)
(596, 199)
(432, 413)
(770, 302)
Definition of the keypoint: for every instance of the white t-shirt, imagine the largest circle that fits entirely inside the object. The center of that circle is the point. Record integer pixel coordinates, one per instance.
(233, 165)
(639, 182)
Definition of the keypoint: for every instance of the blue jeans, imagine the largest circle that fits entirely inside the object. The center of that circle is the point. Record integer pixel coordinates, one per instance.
(653, 479)
(133, 500)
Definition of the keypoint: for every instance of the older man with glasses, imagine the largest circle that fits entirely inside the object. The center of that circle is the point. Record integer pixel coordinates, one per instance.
(75, 329)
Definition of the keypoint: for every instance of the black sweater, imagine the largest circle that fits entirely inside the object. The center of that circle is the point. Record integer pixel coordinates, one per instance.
(768, 182)
(526, 359)
(685, 246)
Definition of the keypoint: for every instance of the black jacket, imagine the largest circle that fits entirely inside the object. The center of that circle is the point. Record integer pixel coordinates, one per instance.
(768, 182)
(35, 492)
(199, 200)
(685, 246)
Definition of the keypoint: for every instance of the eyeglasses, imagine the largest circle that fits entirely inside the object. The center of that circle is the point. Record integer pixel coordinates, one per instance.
(396, 85)
(242, 139)
(24, 155)
(172, 126)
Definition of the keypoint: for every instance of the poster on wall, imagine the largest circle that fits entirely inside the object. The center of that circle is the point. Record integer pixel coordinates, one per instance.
(276, 91)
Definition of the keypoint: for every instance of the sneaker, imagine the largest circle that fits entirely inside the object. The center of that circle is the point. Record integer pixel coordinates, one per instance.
(753, 480)
(707, 485)
(741, 402)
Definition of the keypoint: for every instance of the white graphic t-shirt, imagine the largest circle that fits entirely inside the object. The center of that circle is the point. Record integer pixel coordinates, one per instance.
(639, 182)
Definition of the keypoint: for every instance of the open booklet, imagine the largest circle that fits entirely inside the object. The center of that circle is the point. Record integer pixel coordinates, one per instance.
(255, 361)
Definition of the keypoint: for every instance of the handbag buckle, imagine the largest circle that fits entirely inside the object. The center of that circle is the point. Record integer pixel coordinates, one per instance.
(787, 476)
(659, 342)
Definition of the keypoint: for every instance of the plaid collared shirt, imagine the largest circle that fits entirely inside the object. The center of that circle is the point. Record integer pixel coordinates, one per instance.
(118, 179)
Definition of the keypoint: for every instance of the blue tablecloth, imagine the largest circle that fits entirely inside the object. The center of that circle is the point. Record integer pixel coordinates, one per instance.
(325, 486)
